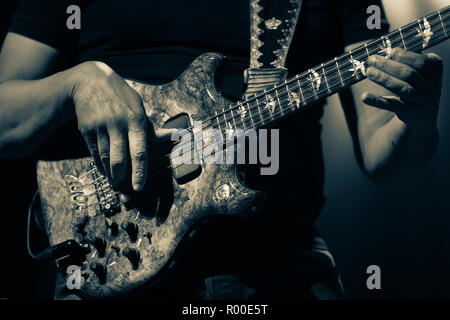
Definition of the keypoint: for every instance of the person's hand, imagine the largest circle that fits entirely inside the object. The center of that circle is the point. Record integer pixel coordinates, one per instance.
(112, 120)
(416, 81)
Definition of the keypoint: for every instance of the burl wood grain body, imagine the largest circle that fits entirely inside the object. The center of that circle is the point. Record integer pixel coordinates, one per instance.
(216, 191)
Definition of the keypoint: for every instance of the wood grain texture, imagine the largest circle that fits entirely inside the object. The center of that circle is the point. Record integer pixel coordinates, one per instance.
(216, 191)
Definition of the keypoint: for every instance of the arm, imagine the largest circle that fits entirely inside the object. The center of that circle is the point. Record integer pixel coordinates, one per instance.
(30, 109)
(110, 113)
(395, 114)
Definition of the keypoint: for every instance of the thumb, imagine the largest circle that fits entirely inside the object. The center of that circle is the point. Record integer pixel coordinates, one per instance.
(389, 103)
(164, 134)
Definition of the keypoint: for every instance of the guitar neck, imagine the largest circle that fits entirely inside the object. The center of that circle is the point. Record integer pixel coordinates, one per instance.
(305, 89)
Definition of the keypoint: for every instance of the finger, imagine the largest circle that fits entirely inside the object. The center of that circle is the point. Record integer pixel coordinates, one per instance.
(91, 141)
(118, 155)
(397, 69)
(164, 134)
(435, 63)
(397, 86)
(103, 150)
(137, 137)
(389, 103)
(423, 63)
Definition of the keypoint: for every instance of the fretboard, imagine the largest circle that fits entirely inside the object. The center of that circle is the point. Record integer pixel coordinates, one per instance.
(305, 89)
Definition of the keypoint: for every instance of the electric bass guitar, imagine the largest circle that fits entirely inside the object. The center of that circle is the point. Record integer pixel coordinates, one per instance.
(119, 248)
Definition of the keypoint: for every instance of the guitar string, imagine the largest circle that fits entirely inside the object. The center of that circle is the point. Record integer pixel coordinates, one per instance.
(283, 103)
(306, 101)
(410, 27)
(354, 53)
(419, 42)
(330, 80)
(359, 52)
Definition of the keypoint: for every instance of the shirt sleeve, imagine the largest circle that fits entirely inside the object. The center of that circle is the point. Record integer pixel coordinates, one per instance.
(354, 21)
(46, 21)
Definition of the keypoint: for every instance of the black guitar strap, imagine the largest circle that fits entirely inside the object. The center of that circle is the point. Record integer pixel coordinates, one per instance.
(272, 27)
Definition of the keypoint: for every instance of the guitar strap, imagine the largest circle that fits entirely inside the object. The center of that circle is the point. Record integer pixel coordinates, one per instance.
(272, 27)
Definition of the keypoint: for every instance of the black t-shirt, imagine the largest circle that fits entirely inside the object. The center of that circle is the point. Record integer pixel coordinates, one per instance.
(154, 41)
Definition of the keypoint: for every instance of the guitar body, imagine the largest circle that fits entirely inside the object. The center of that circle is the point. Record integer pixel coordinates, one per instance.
(66, 189)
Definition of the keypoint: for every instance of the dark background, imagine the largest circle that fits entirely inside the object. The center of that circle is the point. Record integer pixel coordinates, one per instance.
(20, 276)
(403, 230)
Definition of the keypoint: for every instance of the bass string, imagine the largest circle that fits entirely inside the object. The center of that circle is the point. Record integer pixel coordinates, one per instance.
(284, 102)
(401, 35)
(295, 87)
(306, 92)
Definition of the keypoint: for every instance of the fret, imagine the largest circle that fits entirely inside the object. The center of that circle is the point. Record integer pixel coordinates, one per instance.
(315, 80)
(442, 23)
(250, 115)
(387, 46)
(218, 122)
(300, 89)
(351, 59)
(279, 102)
(267, 104)
(420, 31)
(403, 39)
(225, 120)
(242, 113)
(367, 50)
(339, 71)
(354, 69)
(288, 94)
(267, 118)
(254, 115)
(233, 117)
(325, 77)
(259, 110)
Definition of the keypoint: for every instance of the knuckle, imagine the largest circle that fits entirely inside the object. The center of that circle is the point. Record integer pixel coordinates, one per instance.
(420, 62)
(387, 81)
(104, 156)
(140, 155)
(374, 73)
(381, 77)
(139, 173)
(411, 75)
(117, 163)
(137, 118)
(397, 53)
(382, 63)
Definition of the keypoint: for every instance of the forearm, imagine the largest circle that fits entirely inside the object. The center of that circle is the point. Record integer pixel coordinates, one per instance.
(31, 110)
(398, 152)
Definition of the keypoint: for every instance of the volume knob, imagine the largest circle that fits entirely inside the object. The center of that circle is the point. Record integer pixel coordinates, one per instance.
(131, 228)
(133, 255)
(100, 245)
(100, 270)
(112, 226)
